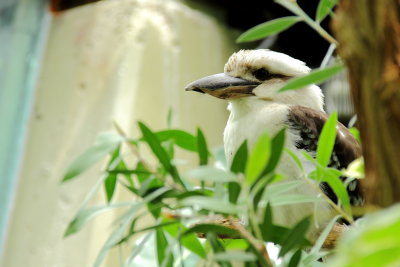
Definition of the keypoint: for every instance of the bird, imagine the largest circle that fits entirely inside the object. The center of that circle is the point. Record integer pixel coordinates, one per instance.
(250, 83)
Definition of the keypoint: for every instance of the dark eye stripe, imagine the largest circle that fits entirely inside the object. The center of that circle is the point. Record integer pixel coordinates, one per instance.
(262, 75)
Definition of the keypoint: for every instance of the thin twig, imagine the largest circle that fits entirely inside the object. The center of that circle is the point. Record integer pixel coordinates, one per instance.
(253, 241)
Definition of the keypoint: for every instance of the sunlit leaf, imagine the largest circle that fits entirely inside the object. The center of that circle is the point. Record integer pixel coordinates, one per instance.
(324, 8)
(356, 169)
(315, 77)
(181, 138)
(326, 140)
(189, 241)
(258, 159)
(105, 143)
(208, 173)
(373, 242)
(210, 203)
(277, 145)
(268, 28)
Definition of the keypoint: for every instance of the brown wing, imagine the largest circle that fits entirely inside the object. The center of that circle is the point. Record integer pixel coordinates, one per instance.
(308, 123)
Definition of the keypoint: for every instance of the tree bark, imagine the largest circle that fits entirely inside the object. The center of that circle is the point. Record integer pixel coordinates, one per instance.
(369, 35)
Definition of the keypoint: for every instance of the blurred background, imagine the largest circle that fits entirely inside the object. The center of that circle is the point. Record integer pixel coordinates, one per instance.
(69, 68)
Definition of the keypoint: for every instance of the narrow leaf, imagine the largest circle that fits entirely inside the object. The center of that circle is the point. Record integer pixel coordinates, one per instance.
(315, 77)
(240, 159)
(211, 204)
(189, 241)
(208, 173)
(181, 138)
(235, 256)
(105, 143)
(218, 229)
(258, 158)
(326, 140)
(295, 259)
(161, 246)
(85, 215)
(202, 147)
(268, 28)
(160, 152)
(324, 8)
(295, 238)
(277, 145)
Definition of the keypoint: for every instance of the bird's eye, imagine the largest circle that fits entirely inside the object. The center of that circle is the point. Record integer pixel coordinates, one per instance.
(262, 74)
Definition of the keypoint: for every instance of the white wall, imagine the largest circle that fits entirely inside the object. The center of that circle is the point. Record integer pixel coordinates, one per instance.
(122, 60)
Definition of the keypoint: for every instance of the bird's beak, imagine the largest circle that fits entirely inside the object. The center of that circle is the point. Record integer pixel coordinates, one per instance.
(223, 86)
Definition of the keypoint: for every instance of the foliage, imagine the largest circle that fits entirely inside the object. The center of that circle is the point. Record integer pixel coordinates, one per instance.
(189, 209)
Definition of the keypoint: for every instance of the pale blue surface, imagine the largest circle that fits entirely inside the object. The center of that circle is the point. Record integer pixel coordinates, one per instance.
(23, 28)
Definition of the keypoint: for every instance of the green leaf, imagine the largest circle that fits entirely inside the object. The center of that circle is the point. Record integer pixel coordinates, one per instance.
(160, 153)
(355, 169)
(234, 189)
(258, 158)
(202, 147)
(240, 159)
(277, 146)
(181, 138)
(235, 256)
(109, 185)
(291, 199)
(85, 215)
(169, 118)
(324, 8)
(268, 28)
(326, 140)
(373, 242)
(218, 229)
(355, 133)
(208, 173)
(189, 241)
(295, 259)
(161, 246)
(295, 237)
(219, 155)
(295, 158)
(105, 143)
(211, 204)
(315, 77)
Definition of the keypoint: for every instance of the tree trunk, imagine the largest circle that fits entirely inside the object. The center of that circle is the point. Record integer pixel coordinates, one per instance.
(369, 35)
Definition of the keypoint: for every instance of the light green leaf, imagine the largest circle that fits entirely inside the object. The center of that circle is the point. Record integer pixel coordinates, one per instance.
(234, 256)
(373, 241)
(355, 133)
(202, 147)
(181, 138)
(276, 189)
(160, 152)
(268, 28)
(161, 246)
(85, 215)
(291, 199)
(189, 241)
(326, 140)
(324, 8)
(208, 173)
(295, 158)
(105, 143)
(211, 204)
(315, 77)
(355, 169)
(322, 237)
(258, 158)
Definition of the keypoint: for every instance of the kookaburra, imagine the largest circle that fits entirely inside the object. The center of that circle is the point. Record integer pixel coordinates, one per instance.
(250, 83)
